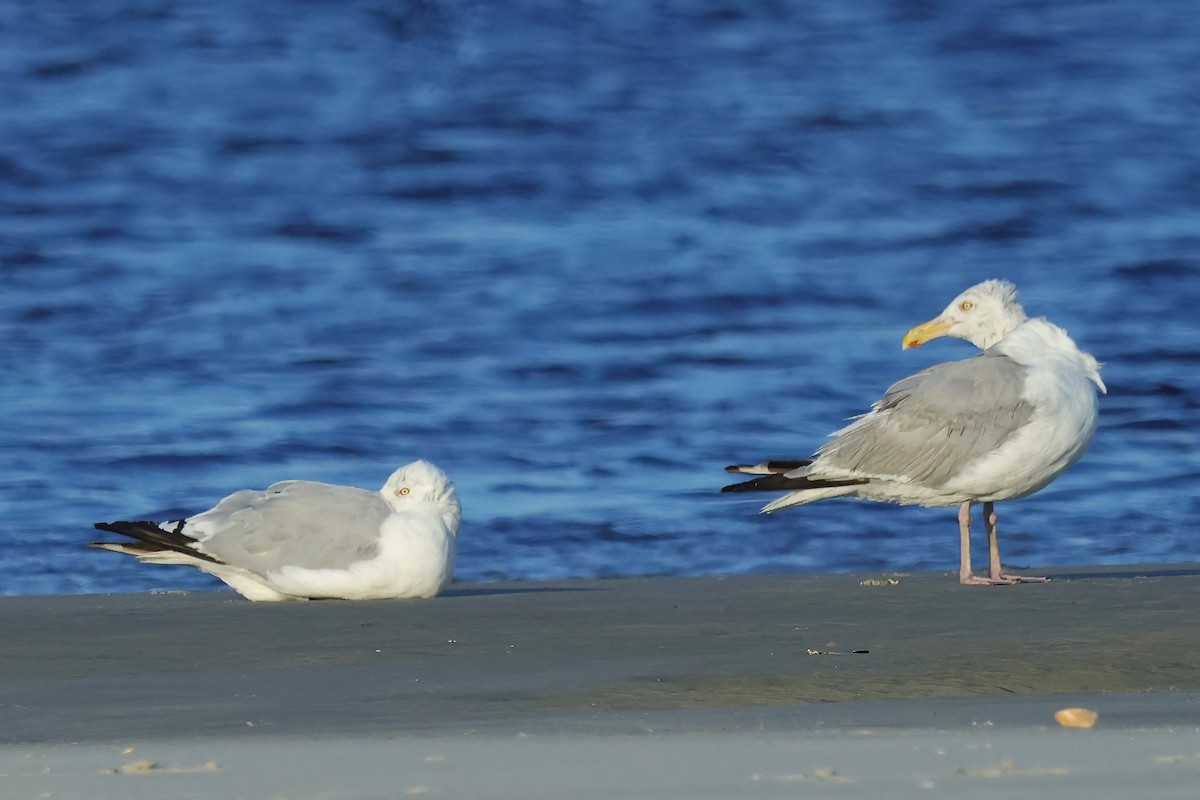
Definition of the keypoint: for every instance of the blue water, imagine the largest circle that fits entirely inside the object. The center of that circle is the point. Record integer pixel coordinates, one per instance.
(582, 256)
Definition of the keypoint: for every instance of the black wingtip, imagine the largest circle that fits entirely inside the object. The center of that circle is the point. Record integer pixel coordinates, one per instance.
(780, 482)
(151, 537)
(766, 483)
(788, 466)
(768, 467)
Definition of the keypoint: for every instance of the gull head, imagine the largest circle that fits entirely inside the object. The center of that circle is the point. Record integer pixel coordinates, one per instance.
(419, 485)
(982, 315)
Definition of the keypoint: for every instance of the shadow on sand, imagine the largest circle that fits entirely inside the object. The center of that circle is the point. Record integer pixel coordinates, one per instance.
(1189, 571)
(483, 591)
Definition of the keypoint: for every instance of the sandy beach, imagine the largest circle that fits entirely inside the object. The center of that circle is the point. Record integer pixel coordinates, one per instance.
(843, 685)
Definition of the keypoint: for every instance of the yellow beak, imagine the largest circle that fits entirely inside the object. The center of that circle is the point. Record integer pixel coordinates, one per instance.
(925, 331)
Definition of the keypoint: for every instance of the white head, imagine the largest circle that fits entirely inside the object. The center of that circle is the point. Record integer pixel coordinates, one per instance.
(419, 483)
(982, 315)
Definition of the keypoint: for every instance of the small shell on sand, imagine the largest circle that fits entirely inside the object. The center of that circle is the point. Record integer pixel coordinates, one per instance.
(1076, 717)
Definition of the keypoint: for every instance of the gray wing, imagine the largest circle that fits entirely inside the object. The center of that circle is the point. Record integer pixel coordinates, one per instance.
(931, 425)
(293, 523)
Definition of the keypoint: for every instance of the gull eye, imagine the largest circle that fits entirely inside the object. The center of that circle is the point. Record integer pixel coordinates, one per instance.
(966, 305)
(403, 490)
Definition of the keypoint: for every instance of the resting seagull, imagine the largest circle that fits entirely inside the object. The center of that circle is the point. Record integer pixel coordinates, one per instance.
(297, 540)
(998, 426)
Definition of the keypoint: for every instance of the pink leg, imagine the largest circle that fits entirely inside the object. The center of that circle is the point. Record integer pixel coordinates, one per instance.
(995, 573)
(965, 575)
(989, 525)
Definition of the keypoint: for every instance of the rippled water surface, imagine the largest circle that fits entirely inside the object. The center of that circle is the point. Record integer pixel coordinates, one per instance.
(582, 256)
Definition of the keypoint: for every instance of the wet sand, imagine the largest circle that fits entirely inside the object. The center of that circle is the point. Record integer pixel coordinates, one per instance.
(685, 686)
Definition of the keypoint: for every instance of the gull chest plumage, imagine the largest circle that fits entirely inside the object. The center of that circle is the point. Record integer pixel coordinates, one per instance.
(997, 426)
(1059, 385)
(414, 558)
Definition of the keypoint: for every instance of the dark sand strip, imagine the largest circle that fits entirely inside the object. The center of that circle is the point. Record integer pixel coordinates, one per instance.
(541, 656)
(747, 685)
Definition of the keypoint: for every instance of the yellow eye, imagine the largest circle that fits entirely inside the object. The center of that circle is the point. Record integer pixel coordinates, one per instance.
(402, 490)
(966, 305)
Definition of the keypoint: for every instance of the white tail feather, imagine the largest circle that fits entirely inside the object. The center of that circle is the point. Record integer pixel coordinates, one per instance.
(802, 496)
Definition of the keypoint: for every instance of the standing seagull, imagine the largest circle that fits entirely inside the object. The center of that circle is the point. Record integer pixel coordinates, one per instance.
(997, 426)
(301, 539)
